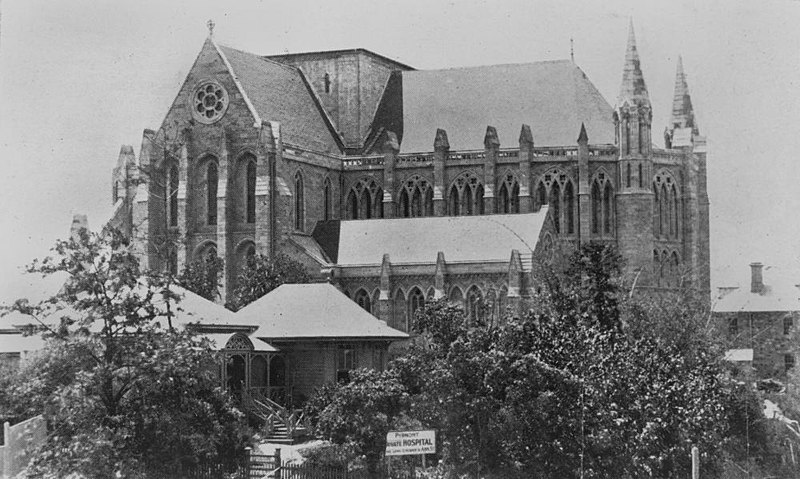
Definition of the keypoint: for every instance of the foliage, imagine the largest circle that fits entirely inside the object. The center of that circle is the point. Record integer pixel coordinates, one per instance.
(262, 274)
(122, 390)
(358, 414)
(202, 276)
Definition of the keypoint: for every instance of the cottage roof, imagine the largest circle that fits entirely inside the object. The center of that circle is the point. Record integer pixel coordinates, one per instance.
(553, 97)
(278, 92)
(418, 240)
(772, 298)
(295, 312)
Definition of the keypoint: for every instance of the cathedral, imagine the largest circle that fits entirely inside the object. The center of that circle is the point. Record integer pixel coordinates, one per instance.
(398, 185)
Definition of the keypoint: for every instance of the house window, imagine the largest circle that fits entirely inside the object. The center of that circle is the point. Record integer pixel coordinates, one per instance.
(733, 326)
(362, 299)
(787, 325)
(345, 362)
(788, 361)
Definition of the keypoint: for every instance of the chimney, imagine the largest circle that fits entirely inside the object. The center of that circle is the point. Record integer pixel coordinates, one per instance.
(756, 278)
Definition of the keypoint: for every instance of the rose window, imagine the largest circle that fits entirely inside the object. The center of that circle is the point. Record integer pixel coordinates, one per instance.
(210, 101)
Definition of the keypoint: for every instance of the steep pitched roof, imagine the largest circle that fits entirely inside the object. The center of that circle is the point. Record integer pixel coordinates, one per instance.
(682, 111)
(278, 92)
(553, 97)
(313, 311)
(418, 240)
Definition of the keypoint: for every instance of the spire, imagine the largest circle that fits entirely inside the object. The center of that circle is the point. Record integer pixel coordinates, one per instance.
(682, 112)
(582, 136)
(633, 90)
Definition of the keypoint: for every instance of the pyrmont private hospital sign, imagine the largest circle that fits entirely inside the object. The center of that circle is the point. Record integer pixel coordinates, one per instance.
(404, 443)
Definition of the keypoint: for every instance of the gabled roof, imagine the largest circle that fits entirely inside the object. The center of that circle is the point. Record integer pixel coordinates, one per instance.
(772, 299)
(481, 238)
(278, 92)
(553, 97)
(295, 312)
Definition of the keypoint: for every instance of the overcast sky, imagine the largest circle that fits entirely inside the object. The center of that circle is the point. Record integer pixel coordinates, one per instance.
(78, 79)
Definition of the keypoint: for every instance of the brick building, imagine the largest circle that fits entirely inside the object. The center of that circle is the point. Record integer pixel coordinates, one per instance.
(761, 320)
(359, 166)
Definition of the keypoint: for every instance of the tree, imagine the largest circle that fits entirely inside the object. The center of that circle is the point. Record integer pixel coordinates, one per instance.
(202, 275)
(262, 274)
(359, 413)
(125, 393)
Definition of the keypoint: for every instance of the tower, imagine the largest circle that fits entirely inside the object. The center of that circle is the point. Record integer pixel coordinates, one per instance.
(683, 134)
(632, 118)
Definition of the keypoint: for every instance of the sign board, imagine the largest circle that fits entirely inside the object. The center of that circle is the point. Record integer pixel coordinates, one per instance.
(404, 443)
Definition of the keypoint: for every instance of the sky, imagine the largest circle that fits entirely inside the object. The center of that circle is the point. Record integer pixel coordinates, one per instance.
(78, 79)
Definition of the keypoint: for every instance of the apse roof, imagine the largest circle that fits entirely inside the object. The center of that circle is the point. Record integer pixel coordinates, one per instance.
(553, 97)
(295, 312)
(478, 238)
(278, 92)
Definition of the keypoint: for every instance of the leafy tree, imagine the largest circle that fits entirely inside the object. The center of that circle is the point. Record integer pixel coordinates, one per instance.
(262, 274)
(202, 276)
(358, 414)
(124, 392)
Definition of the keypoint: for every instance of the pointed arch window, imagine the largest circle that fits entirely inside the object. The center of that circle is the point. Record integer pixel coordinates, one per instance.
(475, 306)
(212, 180)
(299, 202)
(400, 315)
(555, 206)
(674, 215)
(608, 201)
(466, 196)
(172, 195)
(365, 200)
(328, 200)
(656, 211)
(509, 195)
(596, 204)
(641, 177)
(628, 176)
(627, 137)
(250, 195)
(362, 299)
(569, 208)
(456, 297)
(352, 206)
(541, 196)
(416, 301)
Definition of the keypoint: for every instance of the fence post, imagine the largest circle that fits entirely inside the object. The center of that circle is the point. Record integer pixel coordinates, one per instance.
(278, 465)
(7, 449)
(247, 462)
(695, 463)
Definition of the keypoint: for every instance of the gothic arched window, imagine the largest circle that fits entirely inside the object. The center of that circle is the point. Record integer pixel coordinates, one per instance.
(475, 304)
(362, 299)
(466, 195)
(299, 202)
(365, 200)
(416, 301)
(453, 206)
(328, 200)
(352, 206)
(212, 179)
(172, 195)
(250, 194)
(628, 176)
(569, 207)
(541, 196)
(596, 202)
(400, 316)
(509, 195)
(608, 201)
(555, 206)
(674, 207)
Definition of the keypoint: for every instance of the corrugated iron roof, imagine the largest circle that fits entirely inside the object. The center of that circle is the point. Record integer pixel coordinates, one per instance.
(312, 311)
(418, 240)
(553, 97)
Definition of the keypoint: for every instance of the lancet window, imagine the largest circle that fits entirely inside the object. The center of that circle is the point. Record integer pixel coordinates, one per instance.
(364, 201)
(416, 198)
(508, 195)
(465, 196)
(602, 199)
(666, 207)
(555, 189)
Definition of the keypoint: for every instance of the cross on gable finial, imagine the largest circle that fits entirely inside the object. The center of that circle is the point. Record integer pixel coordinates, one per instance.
(210, 25)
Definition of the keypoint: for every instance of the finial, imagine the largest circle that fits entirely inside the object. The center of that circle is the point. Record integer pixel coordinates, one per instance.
(571, 49)
(210, 24)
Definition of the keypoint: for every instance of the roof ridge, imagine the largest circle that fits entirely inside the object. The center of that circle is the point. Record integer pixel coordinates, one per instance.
(494, 65)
